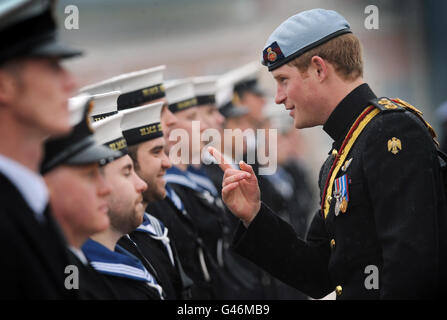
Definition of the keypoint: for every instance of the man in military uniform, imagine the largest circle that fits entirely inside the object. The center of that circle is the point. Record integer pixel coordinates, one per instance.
(78, 194)
(203, 207)
(379, 231)
(127, 274)
(151, 240)
(34, 90)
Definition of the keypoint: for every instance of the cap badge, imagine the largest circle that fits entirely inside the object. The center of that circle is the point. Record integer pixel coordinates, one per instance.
(271, 55)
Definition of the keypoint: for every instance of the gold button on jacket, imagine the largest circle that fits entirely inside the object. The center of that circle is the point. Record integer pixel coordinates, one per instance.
(338, 290)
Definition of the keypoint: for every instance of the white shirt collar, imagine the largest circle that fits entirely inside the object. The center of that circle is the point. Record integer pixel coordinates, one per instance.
(78, 253)
(30, 184)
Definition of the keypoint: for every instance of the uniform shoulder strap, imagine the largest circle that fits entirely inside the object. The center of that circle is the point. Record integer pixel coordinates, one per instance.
(386, 105)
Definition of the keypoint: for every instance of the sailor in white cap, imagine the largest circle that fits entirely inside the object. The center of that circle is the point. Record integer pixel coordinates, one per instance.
(382, 196)
(202, 203)
(126, 273)
(151, 240)
(205, 89)
(248, 92)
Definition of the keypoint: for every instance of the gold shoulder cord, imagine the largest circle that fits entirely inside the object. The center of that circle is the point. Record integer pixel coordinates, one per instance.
(419, 114)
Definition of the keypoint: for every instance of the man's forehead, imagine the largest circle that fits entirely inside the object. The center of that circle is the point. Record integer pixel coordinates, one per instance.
(187, 112)
(120, 163)
(83, 167)
(153, 143)
(284, 69)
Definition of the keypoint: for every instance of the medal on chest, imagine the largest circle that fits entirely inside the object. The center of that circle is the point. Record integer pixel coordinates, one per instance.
(341, 194)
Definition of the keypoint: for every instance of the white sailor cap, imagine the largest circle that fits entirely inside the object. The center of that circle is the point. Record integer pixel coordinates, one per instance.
(77, 108)
(300, 33)
(224, 101)
(180, 94)
(104, 105)
(141, 124)
(108, 133)
(205, 89)
(245, 78)
(137, 88)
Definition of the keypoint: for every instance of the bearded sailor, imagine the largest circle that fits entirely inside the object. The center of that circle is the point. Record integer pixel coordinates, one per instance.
(128, 275)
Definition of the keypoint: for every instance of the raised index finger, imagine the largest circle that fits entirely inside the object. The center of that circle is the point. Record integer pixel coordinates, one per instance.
(220, 159)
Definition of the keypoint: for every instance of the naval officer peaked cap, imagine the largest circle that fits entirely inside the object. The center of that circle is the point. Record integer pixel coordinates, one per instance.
(28, 29)
(300, 33)
(141, 124)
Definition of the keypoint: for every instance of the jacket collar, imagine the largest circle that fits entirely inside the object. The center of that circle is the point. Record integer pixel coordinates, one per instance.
(346, 112)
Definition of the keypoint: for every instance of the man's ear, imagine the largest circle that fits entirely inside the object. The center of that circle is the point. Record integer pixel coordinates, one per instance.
(320, 67)
(8, 87)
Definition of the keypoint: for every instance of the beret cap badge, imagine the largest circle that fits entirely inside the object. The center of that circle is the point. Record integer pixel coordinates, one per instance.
(271, 55)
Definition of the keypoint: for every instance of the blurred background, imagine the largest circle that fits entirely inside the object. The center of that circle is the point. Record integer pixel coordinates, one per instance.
(404, 58)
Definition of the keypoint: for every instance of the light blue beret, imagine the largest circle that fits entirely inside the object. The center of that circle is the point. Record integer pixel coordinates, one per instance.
(300, 33)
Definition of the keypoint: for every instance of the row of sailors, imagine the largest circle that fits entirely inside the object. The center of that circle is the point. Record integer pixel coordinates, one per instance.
(151, 230)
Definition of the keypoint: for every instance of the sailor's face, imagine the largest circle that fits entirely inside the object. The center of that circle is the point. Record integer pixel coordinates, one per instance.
(210, 115)
(152, 165)
(40, 98)
(126, 206)
(255, 104)
(167, 118)
(84, 211)
(184, 134)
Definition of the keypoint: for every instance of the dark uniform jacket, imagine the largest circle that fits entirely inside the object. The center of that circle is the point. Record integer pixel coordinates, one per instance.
(92, 285)
(232, 279)
(33, 256)
(154, 256)
(395, 222)
(123, 271)
(194, 256)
